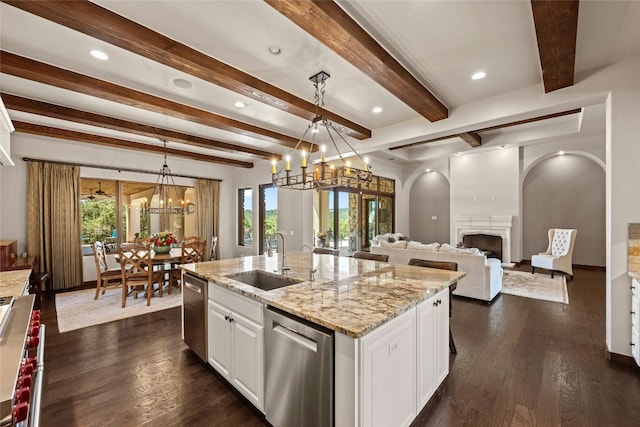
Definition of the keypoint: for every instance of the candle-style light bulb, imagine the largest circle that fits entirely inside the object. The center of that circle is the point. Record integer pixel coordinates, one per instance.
(348, 171)
(303, 160)
(323, 150)
(287, 166)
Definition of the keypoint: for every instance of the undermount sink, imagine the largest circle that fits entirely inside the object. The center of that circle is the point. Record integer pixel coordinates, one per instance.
(263, 280)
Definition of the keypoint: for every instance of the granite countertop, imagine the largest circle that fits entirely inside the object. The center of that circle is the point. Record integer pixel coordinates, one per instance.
(14, 282)
(349, 295)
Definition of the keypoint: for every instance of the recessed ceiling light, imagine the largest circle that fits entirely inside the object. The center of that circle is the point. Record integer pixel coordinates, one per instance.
(479, 75)
(561, 153)
(239, 104)
(428, 170)
(98, 54)
(377, 110)
(274, 49)
(182, 83)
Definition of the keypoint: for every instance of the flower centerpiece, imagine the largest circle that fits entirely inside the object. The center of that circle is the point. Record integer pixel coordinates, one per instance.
(162, 242)
(321, 239)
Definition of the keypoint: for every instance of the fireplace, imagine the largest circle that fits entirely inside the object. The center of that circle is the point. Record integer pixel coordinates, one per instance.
(496, 225)
(489, 244)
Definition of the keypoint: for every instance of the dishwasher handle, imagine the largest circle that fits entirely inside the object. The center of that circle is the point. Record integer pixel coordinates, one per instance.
(194, 288)
(296, 337)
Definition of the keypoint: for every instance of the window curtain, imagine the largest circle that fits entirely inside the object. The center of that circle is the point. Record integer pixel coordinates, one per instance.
(207, 212)
(54, 224)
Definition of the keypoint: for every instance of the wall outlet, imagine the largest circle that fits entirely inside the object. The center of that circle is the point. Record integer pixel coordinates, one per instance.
(393, 347)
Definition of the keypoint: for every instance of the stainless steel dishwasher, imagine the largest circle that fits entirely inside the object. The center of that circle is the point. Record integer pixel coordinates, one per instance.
(194, 314)
(298, 371)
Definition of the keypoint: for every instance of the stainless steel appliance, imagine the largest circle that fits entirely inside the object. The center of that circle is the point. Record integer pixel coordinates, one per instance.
(298, 371)
(194, 314)
(22, 367)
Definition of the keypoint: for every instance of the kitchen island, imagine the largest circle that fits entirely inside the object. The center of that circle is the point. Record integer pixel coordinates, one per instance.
(390, 324)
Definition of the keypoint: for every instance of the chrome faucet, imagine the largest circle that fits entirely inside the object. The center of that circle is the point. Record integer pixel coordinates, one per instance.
(284, 267)
(312, 269)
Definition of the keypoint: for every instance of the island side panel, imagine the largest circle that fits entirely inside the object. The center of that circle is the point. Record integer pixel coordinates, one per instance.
(346, 359)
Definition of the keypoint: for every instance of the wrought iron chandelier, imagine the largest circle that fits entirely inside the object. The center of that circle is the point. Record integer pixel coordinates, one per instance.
(322, 174)
(163, 187)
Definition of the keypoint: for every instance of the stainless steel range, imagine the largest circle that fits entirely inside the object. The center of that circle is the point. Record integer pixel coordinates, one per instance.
(22, 355)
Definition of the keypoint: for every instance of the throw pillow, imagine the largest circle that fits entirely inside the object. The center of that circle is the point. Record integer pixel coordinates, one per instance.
(400, 244)
(433, 247)
(445, 247)
(391, 240)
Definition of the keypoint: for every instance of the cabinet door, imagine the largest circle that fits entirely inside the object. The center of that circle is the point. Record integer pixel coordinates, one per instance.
(248, 359)
(427, 353)
(388, 373)
(441, 345)
(433, 346)
(219, 339)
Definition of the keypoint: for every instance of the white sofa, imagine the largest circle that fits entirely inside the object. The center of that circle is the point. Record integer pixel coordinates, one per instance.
(484, 275)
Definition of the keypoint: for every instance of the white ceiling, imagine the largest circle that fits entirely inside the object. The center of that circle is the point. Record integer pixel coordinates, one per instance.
(442, 43)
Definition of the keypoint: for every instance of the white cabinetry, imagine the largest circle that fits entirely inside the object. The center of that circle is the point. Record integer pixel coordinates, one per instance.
(635, 320)
(236, 343)
(432, 346)
(388, 373)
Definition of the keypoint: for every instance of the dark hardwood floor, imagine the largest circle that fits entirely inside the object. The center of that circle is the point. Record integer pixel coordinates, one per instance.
(520, 362)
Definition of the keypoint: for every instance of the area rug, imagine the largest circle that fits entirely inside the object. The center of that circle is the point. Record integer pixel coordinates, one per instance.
(78, 309)
(538, 286)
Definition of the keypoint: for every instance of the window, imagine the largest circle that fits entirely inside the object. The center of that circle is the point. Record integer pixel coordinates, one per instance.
(99, 210)
(117, 211)
(349, 218)
(268, 215)
(245, 217)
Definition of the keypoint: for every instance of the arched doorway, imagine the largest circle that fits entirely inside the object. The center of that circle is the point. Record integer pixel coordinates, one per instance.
(565, 191)
(429, 216)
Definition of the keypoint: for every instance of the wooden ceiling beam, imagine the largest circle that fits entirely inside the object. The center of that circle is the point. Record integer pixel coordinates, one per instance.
(331, 25)
(33, 106)
(69, 135)
(471, 138)
(100, 23)
(490, 128)
(556, 24)
(48, 74)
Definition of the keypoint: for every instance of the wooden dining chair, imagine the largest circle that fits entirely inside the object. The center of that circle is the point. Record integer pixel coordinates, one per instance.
(105, 276)
(142, 240)
(327, 251)
(372, 257)
(192, 251)
(442, 265)
(137, 272)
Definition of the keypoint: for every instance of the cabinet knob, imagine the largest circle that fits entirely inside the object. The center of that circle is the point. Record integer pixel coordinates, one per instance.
(435, 303)
(230, 319)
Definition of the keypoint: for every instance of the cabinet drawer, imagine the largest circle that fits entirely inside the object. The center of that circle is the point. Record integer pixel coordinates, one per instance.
(248, 308)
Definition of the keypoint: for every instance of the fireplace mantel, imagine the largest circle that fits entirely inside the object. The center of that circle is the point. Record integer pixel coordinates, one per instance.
(496, 225)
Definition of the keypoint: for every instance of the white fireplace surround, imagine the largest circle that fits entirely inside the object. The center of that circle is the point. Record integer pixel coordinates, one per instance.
(495, 225)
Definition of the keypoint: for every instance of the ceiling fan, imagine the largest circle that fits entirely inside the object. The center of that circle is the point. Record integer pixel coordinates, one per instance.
(101, 192)
(90, 196)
